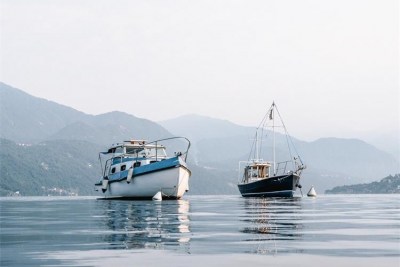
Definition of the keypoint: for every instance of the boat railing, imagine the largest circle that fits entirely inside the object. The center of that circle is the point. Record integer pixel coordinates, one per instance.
(110, 162)
(242, 174)
(282, 166)
(171, 138)
(107, 166)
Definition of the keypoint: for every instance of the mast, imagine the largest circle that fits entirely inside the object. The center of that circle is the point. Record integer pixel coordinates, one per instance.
(273, 131)
(257, 146)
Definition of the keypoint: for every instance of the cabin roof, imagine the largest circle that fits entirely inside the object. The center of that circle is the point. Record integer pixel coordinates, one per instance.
(133, 144)
(260, 163)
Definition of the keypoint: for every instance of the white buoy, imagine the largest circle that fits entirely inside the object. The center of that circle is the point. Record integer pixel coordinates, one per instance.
(158, 196)
(312, 192)
(104, 185)
(130, 174)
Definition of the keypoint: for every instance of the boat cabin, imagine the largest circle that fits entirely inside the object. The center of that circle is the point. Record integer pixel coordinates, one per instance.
(133, 153)
(256, 171)
(138, 149)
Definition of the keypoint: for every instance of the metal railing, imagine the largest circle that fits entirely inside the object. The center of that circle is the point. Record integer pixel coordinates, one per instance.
(170, 138)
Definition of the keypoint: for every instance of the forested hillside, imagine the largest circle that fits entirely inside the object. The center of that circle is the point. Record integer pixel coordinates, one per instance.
(388, 185)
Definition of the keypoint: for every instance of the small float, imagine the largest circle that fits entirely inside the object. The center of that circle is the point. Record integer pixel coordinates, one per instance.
(312, 192)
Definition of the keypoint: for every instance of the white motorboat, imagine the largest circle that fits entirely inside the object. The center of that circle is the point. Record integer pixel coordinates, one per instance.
(138, 169)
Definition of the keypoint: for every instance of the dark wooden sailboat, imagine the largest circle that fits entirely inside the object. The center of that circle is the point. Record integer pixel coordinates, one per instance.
(261, 178)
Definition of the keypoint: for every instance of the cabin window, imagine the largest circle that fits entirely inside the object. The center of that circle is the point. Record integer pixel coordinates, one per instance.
(133, 150)
(120, 150)
(123, 167)
(159, 153)
(113, 170)
(136, 164)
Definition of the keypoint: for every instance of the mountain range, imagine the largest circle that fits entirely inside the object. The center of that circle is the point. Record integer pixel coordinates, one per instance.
(46, 145)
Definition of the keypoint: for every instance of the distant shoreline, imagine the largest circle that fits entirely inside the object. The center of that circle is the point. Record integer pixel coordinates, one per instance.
(388, 185)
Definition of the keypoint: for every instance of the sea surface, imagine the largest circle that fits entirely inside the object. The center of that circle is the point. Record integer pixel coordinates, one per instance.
(329, 230)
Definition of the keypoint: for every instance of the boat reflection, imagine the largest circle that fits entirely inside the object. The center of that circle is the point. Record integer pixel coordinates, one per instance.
(271, 221)
(147, 224)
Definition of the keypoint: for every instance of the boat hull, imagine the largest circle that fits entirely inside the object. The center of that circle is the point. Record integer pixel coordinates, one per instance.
(172, 182)
(277, 186)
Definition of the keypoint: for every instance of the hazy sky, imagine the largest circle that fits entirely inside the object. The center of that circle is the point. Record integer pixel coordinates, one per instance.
(332, 67)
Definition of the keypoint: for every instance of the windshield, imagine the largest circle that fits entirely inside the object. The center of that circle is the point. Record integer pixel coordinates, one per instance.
(156, 152)
(139, 152)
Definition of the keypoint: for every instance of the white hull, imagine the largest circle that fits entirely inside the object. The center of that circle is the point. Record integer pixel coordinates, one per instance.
(173, 183)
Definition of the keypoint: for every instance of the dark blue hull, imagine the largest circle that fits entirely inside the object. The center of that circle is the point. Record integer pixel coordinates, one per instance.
(277, 186)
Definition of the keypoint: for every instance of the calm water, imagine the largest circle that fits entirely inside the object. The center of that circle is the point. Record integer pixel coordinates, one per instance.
(201, 230)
